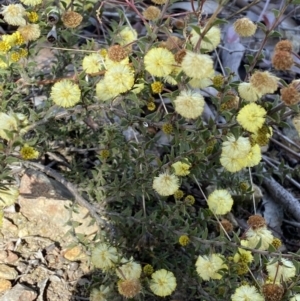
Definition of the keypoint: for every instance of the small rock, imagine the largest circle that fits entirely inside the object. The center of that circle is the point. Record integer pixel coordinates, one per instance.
(19, 293)
(4, 285)
(7, 272)
(74, 254)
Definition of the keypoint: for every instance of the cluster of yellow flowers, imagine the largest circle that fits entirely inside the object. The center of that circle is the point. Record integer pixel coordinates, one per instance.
(107, 258)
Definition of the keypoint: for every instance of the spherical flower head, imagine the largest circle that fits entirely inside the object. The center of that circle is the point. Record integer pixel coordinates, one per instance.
(248, 92)
(104, 256)
(181, 168)
(148, 269)
(93, 63)
(264, 82)
(197, 65)
(100, 294)
(290, 95)
(7, 123)
(189, 200)
(4, 46)
(231, 164)
(276, 243)
(166, 184)
(189, 104)
(226, 225)
(130, 269)
(173, 42)
(14, 14)
(120, 78)
(159, 62)
(157, 87)
(283, 270)
(295, 298)
(200, 83)
(246, 293)
(237, 148)
(282, 60)
(163, 283)
(129, 288)
(15, 56)
(14, 39)
(244, 27)
(65, 93)
(31, 2)
(105, 91)
(167, 128)
(151, 13)
(117, 53)
(33, 16)
(284, 45)
(243, 256)
(28, 153)
(212, 38)
(262, 234)
(251, 117)
(8, 196)
(254, 156)
(30, 32)
(220, 201)
(256, 222)
(151, 106)
(272, 291)
(209, 267)
(126, 36)
(184, 240)
(71, 19)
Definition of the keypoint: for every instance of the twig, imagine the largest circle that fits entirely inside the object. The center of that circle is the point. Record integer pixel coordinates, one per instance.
(285, 147)
(283, 197)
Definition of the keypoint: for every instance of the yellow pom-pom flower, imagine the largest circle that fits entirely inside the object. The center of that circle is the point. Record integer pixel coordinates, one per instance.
(104, 256)
(129, 288)
(281, 270)
(220, 201)
(243, 256)
(254, 236)
(120, 78)
(248, 92)
(181, 168)
(4, 46)
(148, 269)
(208, 267)
(167, 128)
(213, 36)
(166, 184)
(105, 91)
(251, 117)
(246, 293)
(93, 63)
(189, 104)
(178, 194)
(157, 87)
(184, 240)
(65, 93)
(126, 36)
(14, 14)
(28, 153)
(30, 32)
(244, 27)
(129, 269)
(163, 283)
(159, 62)
(7, 123)
(189, 200)
(197, 65)
(31, 2)
(99, 294)
(254, 156)
(33, 17)
(237, 148)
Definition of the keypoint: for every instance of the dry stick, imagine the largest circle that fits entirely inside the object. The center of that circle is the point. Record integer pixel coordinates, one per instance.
(80, 200)
(283, 197)
(286, 148)
(287, 139)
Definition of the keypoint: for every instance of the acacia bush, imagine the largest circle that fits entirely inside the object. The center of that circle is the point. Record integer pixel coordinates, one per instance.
(160, 141)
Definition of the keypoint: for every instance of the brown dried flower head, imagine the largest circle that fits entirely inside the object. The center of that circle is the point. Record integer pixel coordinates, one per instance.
(282, 60)
(290, 95)
(179, 23)
(264, 82)
(227, 225)
(173, 42)
(151, 13)
(273, 292)
(71, 19)
(180, 55)
(284, 45)
(129, 287)
(117, 53)
(230, 100)
(244, 27)
(256, 221)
